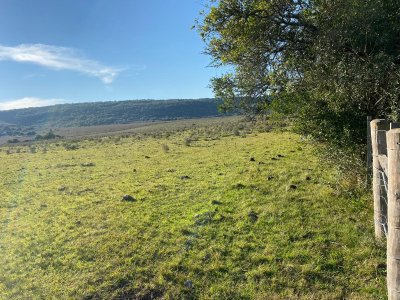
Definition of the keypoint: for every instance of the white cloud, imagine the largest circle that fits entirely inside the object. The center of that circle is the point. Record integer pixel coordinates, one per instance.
(28, 102)
(32, 75)
(58, 58)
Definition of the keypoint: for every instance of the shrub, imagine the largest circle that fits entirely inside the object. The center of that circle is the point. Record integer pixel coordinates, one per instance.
(13, 141)
(165, 148)
(70, 146)
(188, 141)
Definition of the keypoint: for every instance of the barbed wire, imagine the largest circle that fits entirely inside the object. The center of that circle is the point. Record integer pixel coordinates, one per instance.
(383, 187)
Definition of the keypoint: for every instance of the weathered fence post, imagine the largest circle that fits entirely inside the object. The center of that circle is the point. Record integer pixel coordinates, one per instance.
(369, 153)
(393, 241)
(378, 144)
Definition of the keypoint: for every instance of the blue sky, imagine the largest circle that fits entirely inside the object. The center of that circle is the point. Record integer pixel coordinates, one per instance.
(57, 51)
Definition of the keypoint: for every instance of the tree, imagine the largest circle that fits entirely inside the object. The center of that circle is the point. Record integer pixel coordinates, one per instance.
(328, 63)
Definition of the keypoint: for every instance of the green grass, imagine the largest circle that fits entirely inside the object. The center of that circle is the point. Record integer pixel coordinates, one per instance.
(232, 229)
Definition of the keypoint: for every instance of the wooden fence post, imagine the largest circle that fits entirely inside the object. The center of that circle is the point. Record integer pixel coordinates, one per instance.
(393, 241)
(377, 143)
(369, 153)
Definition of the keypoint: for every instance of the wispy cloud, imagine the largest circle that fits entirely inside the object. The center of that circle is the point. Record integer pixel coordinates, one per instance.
(59, 58)
(28, 102)
(32, 75)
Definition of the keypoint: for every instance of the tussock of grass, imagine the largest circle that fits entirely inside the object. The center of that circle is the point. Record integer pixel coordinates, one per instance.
(208, 222)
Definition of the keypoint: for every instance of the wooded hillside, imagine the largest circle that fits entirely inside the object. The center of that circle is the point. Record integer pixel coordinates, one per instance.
(102, 113)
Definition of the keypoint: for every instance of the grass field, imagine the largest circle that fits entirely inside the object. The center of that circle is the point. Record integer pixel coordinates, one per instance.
(152, 128)
(215, 216)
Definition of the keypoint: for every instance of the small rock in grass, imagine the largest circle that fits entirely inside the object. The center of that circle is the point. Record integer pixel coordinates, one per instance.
(89, 164)
(185, 231)
(291, 187)
(252, 159)
(188, 284)
(216, 202)
(128, 198)
(253, 216)
(185, 177)
(239, 186)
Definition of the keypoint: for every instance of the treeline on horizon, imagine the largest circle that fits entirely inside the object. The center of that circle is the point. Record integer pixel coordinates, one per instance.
(106, 113)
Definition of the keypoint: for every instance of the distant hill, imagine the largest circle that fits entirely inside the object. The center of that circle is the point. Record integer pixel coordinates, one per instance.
(104, 113)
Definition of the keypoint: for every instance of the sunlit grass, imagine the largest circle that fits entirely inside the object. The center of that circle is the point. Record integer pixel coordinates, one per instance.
(223, 218)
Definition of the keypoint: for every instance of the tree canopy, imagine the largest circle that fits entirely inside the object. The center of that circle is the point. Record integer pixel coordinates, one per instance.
(328, 63)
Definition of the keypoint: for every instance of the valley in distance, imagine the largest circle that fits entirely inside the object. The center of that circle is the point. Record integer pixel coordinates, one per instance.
(96, 118)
